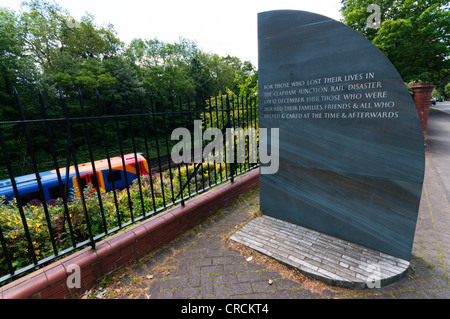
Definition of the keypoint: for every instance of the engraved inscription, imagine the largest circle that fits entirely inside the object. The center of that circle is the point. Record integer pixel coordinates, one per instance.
(347, 96)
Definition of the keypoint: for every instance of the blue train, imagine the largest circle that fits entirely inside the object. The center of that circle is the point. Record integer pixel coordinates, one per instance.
(28, 190)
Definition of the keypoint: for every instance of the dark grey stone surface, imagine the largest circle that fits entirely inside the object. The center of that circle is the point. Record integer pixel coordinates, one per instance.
(351, 148)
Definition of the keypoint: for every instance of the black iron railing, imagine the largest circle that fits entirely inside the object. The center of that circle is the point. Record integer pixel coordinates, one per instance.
(101, 162)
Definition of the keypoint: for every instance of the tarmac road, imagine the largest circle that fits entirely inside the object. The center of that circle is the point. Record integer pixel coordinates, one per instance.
(445, 106)
(438, 143)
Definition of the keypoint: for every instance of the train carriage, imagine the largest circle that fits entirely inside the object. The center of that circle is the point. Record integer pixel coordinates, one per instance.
(27, 185)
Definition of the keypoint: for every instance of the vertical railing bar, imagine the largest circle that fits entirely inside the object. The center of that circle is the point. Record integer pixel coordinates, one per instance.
(36, 173)
(58, 174)
(68, 155)
(232, 123)
(217, 125)
(16, 194)
(71, 149)
(239, 116)
(119, 136)
(239, 138)
(236, 100)
(6, 251)
(138, 172)
(211, 125)
(147, 151)
(91, 156)
(225, 140)
(232, 141)
(196, 165)
(255, 119)
(157, 149)
(198, 112)
(251, 104)
(248, 127)
(253, 126)
(21, 212)
(178, 165)
(255, 108)
(207, 157)
(244, 128)
(167, 148)
(250, 111)
(245, 111)
(185, 164)
(192, 142)
(105, 142)
(184, 150)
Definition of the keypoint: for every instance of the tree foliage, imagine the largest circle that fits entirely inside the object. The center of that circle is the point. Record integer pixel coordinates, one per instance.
(414, 35)
(41, 46)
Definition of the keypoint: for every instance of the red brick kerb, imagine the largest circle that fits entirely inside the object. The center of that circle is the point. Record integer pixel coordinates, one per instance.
(55, 280)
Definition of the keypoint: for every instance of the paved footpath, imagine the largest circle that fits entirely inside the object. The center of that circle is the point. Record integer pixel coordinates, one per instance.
(205, 263)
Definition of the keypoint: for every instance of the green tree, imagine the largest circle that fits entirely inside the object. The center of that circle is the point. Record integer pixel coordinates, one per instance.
(10, 53)
(223, 71)
(89, 40)
(182, 67)
(66, 55)
(17, 69)
(164, 67)
(40, 24)
(41, 46)
(414, 35)
(246, 81)
(201, 75)
(447, 89)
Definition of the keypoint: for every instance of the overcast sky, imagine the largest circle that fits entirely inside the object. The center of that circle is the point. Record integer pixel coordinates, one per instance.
(222, 27)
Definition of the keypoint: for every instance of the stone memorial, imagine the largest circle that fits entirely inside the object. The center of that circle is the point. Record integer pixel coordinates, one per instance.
(351, 152)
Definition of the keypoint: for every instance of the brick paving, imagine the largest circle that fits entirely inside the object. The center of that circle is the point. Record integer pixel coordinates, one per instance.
(205, 263)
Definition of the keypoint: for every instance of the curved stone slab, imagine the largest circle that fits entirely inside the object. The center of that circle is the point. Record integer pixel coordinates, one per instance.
(351, 152)
(323, 257)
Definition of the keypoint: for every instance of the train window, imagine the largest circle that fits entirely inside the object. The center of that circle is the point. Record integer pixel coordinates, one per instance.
(26, 198)
(83, 182)
(94, 180)
(55, 191)
(86, 179)
(114, 176)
